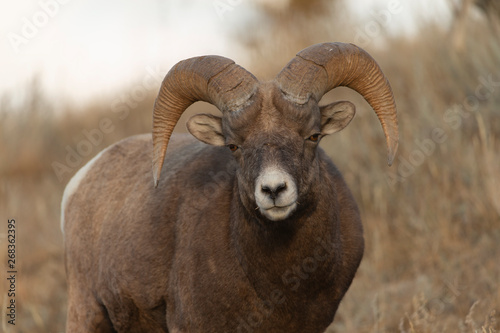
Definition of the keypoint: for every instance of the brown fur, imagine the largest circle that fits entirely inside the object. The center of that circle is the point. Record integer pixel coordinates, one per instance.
(193, 255)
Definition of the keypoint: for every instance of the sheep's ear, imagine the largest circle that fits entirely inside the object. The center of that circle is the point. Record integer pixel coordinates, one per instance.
(207, 128)
(336, 116)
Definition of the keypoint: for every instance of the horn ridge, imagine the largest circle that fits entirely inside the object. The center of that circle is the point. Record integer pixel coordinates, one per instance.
(213, 79)
(322, 67)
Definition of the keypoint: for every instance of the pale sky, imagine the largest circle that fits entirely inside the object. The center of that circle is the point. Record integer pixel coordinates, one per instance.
(85, 49)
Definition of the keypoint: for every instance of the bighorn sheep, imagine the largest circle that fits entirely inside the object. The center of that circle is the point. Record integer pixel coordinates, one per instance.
(254, 232)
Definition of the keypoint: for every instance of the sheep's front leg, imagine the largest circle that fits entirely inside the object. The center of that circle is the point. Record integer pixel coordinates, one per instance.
(85, 314)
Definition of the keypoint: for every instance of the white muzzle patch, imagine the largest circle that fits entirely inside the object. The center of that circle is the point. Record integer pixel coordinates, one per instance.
(275, 194)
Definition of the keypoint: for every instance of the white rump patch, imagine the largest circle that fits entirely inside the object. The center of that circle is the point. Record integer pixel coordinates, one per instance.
(75, 182)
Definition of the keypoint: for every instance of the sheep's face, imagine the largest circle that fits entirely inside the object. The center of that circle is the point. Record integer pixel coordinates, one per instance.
(275, 143)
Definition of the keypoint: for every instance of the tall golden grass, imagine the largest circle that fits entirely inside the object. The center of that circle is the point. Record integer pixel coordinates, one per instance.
(432, 220)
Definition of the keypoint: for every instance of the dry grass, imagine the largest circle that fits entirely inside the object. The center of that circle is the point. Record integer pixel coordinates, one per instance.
(432, 229)
(431, 261)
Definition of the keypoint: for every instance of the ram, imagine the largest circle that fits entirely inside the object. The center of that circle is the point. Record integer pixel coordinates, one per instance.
(253, 229)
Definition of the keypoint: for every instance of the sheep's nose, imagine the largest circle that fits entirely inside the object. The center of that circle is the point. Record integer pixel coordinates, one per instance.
(273, 190)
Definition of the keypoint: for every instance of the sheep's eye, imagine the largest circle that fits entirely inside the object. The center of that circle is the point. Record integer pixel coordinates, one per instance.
(314, 137)
(232, 147)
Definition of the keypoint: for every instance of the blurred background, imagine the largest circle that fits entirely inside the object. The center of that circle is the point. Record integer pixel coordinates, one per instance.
(77, 76)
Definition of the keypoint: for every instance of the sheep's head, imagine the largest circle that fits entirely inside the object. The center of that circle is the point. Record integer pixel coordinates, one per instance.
(273, 128)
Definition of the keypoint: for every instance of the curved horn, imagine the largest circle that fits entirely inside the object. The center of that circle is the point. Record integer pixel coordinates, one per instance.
(322, 67)
(213, 79)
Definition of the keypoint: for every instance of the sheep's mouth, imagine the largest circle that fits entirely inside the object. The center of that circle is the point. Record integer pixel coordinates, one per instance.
(276, 206)
(278, 213)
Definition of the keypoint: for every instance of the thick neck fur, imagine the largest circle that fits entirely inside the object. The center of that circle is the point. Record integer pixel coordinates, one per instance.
(296, 256)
